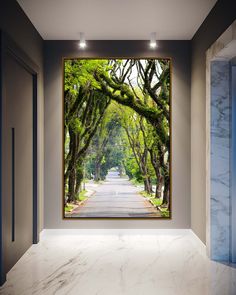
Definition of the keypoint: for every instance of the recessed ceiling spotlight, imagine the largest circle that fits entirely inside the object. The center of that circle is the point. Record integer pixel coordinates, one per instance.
(153, 42)
(82, 42)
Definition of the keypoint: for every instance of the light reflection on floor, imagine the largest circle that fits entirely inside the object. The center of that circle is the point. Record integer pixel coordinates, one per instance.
(167, 263)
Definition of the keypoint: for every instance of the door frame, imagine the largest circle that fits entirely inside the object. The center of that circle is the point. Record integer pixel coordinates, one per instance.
(8, 47)
(233, 163)
(219, 239)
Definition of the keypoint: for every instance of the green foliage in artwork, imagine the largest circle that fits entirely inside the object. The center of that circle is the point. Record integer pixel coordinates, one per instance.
(80, 72)
(81, 196)
(76, 125)
(68, 208)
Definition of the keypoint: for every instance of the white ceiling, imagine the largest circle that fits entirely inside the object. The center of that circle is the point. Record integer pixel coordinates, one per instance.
(117, 19)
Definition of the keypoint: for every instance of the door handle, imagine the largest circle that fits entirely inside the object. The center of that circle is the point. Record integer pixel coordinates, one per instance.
(13, 184)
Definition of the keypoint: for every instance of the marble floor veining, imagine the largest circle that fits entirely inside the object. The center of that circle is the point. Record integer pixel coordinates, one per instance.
(119, 264)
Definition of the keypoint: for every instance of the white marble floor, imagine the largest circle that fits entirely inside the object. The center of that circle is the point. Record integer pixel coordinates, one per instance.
(166, 263)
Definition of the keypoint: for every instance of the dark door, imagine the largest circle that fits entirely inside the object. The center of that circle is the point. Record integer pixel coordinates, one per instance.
(17, 169)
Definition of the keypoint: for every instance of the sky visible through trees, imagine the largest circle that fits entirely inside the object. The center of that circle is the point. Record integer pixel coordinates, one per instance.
(117, 118)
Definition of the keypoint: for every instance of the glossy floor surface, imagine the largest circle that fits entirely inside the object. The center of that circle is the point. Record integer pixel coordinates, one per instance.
(165, 263)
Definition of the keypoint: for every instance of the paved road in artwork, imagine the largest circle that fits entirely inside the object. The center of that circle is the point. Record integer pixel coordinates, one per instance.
(116, 197)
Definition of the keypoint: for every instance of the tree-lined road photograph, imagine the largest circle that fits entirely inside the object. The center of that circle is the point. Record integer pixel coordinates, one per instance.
(117, 138)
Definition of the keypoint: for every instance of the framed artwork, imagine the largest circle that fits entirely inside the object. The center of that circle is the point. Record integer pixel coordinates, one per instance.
(117, 138)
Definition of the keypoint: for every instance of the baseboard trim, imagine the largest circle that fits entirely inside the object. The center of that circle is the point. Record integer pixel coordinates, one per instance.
(49, 232)
(199, 243)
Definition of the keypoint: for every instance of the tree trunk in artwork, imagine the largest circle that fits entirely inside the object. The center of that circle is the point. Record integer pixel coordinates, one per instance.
(79, 178)
(71, 186)
(120, 170)
(97, 175)
(159, 178)
(166, 194)
(148, 185)
(145, 173)
(166, 190)
(159, 185)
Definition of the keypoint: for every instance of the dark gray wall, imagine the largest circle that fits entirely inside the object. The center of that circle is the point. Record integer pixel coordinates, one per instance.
(179, 51)
(14, 21)
(218, 20)
(16, 24)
